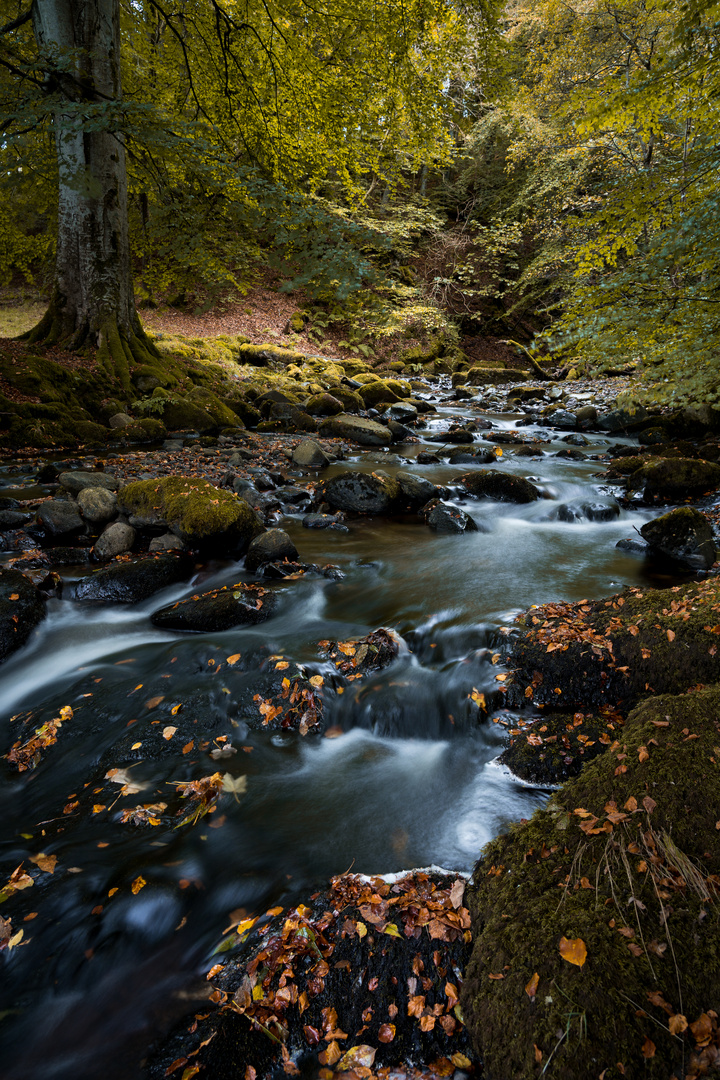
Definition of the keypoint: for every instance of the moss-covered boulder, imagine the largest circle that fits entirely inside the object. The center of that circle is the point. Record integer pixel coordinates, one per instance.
(180, 414)
(352, 402)
(22, 607)
(356, 429)
(504, 487)
(222, 414)
(265, 355)
(196, 511)
(324, 405)
(684, 535)
(596, 925)
(557, 746)
(615, 651)
(672, 479)
(362, 493)
(488, 376)
(384, 390)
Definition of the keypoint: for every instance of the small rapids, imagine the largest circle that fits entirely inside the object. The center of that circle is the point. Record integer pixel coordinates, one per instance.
(409, 780)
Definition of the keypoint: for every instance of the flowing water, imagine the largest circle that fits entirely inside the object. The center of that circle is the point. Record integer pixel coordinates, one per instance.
(412, 781)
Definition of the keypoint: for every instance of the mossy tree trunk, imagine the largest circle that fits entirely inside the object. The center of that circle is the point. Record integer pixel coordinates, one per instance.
(92, 300)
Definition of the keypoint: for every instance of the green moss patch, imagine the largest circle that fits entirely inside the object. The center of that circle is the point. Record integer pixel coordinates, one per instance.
(194, 510)
(620, 872)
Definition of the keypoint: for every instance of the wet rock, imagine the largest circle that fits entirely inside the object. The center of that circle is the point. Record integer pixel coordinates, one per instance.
(563, 419)
(22, 608)
(618, 420)
(120, 420)
(587, 414)
(480, 455)
(673, 479)
(444, 518)
(114, 540)
(455, 436)
(363, 493)
(402, 411)
(382, 391)
(585, 511)
(295, 497)
(309, 454)
(415, 489)
(60, 518)
(426, 457)
(504, 487)
(97, 505)
(363, 655)
(635, 852)
(324, 521)
(196, 511)
(399, 432)
(13, 519)
(557, 746)
(684, 535)
(219, 609)
(128, 582)
(271, 546)
(356, 429)
(633, 545)
(75, 481)
(615, 651)
(167, 542)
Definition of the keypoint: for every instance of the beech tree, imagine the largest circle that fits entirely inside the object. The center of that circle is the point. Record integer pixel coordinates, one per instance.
(268, 92)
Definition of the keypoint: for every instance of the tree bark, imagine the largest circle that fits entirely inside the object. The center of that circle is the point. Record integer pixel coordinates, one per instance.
(92, 300)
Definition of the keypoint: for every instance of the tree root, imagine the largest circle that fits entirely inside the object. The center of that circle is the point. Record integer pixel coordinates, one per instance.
(539, 371)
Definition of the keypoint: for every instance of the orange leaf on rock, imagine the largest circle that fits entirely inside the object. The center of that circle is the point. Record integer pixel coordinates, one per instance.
(702, 1029)
(648, 1048)
(361, 1056)
(573, 950)
(677, 1024)
(531, 988)
(168, 732)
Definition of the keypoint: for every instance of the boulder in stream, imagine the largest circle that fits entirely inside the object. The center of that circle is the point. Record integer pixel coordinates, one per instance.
(672, 479)
(504, 487)
(557, 745)
(442, 517)
(683, 535)
(363, 493)
(132, 581)
(271, 546)
(366, 973)
(76, 480)
(218, 609)
(201, 514)
(356, 429)
(22, 607)
(616, 651)
(60, 518)
(593, 920)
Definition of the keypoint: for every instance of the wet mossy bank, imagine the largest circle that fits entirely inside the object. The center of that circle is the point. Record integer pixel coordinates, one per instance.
(596, 923)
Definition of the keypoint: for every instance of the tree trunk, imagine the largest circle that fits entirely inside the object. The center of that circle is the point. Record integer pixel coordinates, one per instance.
(92, 300)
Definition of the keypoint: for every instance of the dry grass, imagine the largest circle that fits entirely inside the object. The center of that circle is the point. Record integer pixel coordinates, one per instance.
(19, 317)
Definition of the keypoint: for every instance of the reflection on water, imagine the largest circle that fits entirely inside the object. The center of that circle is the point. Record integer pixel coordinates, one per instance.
(410, 782)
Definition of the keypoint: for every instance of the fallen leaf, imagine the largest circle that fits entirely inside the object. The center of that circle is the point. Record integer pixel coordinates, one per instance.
(168, 732)
(233, 659)
(386, 1033)
(154, 702)
(677, 1024)
(44, 862)
(573, 950)
(531, 988)
(648, 1046)
(137, 884)
(702, 1029)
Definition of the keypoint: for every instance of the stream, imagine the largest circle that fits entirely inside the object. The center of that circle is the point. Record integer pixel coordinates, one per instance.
(410, 780)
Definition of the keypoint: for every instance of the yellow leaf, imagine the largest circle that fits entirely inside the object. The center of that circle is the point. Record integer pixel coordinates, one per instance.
(98, 808)
(677, 1024)
(392, 930)
(136, 746)
(316, 680)
(459, 1060)
(44, 862)
(15, 939)
(137, 884)
(168, 732)
(573, 950)
(176, 709)
(233, 659)
(361, 929)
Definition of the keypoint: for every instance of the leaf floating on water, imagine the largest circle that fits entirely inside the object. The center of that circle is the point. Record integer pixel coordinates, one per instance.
(154, 702)
(176, 709)
(168, 732)
(129, 785)
(44, 862)
(573, 950)
(138, 884)
(234, 785)
(233, 659)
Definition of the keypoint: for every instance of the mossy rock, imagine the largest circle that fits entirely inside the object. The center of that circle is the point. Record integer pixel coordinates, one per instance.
(352, 402)
(180, 414)
(147, 429)
(621, 870)
(671, 479)
(196, 511)
(91, 434)
(557, 746)
(243, 408)
(384, 390)
(264, 355)
(325, 405)
(492, 376)
(618, 650)
(22, 607)
(222, 415)
(504, 487)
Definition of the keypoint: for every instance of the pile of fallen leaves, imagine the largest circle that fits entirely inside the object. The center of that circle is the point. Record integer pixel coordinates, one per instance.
(359, 656)
(28, 754)
(367, 977)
